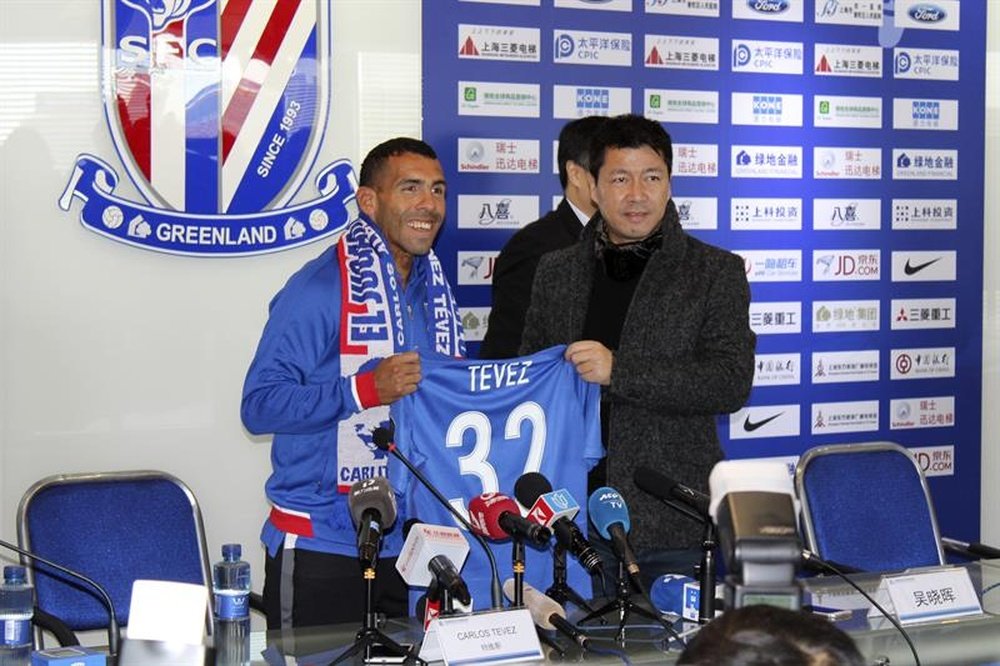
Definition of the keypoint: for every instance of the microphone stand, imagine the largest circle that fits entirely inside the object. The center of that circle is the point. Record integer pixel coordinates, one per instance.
(517, 564)
(706, 576)
(560, 589)
(706, 573)
(624, 605)
(369, 636)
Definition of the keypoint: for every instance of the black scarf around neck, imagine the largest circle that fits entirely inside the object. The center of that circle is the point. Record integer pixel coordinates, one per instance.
(626, 261)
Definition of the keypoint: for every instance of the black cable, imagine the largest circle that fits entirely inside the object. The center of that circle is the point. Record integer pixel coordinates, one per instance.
(888, 616)
(670, 630)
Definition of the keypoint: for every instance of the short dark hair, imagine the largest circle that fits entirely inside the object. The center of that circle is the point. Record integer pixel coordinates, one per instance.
(770, 636)
(574, 143)
(630, 131)
(371, 166)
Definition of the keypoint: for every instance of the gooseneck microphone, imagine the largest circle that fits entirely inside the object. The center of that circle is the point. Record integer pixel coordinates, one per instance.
(496, 516)
(547, 613)
(556, 510)
(683, 498)
(373, 510)
(382, 438)
(114, 635)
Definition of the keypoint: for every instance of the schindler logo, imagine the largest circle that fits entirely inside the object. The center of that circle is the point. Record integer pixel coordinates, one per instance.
(217, 112)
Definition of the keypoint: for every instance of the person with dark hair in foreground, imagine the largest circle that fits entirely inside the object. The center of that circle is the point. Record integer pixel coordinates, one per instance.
(661, 321)
(770, 636)
(515, 266)
(340, 345)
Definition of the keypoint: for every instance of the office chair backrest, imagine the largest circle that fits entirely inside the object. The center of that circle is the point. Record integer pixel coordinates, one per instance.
(114, 527)
(868, 506)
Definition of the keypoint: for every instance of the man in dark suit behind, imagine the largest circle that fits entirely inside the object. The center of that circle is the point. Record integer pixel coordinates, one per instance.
(514, 270)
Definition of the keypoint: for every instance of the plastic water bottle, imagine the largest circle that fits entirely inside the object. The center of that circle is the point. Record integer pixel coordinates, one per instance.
(231, 585)
(16, 609)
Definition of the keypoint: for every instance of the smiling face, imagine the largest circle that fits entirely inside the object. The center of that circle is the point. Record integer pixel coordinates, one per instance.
(632, 190)
(406, 201)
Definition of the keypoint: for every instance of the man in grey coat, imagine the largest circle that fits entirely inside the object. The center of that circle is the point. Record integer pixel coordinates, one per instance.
(660, 320)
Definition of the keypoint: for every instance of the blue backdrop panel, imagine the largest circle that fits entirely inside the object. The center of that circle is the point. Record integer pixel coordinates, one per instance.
(837, 147)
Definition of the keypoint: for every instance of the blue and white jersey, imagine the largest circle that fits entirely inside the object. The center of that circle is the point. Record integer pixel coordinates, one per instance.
(475, 426)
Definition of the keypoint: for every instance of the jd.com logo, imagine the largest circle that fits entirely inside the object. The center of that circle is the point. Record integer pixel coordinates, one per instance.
(217, 111)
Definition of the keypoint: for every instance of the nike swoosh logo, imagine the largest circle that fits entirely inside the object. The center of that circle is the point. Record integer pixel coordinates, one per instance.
(911, 270)
(750, 426)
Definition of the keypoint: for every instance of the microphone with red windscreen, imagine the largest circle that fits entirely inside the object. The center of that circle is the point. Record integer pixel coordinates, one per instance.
(496, 516)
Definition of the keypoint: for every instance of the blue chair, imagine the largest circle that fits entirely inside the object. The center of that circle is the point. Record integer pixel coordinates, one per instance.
(867, 506)
(115, 527)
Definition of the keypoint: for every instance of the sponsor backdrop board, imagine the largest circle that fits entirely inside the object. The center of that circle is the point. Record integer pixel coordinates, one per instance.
(835, 145)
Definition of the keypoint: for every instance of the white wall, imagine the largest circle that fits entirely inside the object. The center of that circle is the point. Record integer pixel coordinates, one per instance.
(117, 358)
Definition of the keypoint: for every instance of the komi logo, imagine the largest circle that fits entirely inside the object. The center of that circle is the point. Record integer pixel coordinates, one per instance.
(768, 6)
(927, 13)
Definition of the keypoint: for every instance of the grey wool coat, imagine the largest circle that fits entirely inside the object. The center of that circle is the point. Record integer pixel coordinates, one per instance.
(686, 355)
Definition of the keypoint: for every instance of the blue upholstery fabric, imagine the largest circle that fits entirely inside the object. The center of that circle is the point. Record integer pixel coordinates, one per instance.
(868, 509)
(114, 531)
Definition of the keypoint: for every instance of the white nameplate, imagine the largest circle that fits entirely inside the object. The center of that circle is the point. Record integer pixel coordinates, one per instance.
(928, 596)
(496, 637)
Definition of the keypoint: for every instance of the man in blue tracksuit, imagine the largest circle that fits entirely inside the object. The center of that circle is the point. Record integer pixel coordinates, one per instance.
(338, 348)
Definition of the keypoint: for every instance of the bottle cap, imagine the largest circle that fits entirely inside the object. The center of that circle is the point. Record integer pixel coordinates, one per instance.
(231, 552)
(14, 574)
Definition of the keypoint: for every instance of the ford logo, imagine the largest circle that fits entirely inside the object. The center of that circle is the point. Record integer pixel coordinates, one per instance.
(768, 6)
(927, 13)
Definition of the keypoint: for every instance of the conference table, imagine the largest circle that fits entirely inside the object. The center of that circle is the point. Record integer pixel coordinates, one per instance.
(963, 641)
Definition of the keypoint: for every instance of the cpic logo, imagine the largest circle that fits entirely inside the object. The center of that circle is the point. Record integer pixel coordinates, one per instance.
(903, 62)
(565, 45)
(741, 55)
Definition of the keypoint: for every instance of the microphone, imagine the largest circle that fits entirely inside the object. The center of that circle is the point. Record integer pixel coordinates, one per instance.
(373, 510)
(556, 510)
(817, 564)
(434, 552)
(980, 550)
(670, 491)
(547, 613)
(609, 514)
(382, 438)
(448, 577)
(114, 635)
(496, 516)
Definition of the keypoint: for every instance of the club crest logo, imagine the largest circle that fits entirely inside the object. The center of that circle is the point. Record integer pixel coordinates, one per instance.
(217, 109)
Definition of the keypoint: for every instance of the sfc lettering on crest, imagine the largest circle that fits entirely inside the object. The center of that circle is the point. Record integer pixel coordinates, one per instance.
(217, 112)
